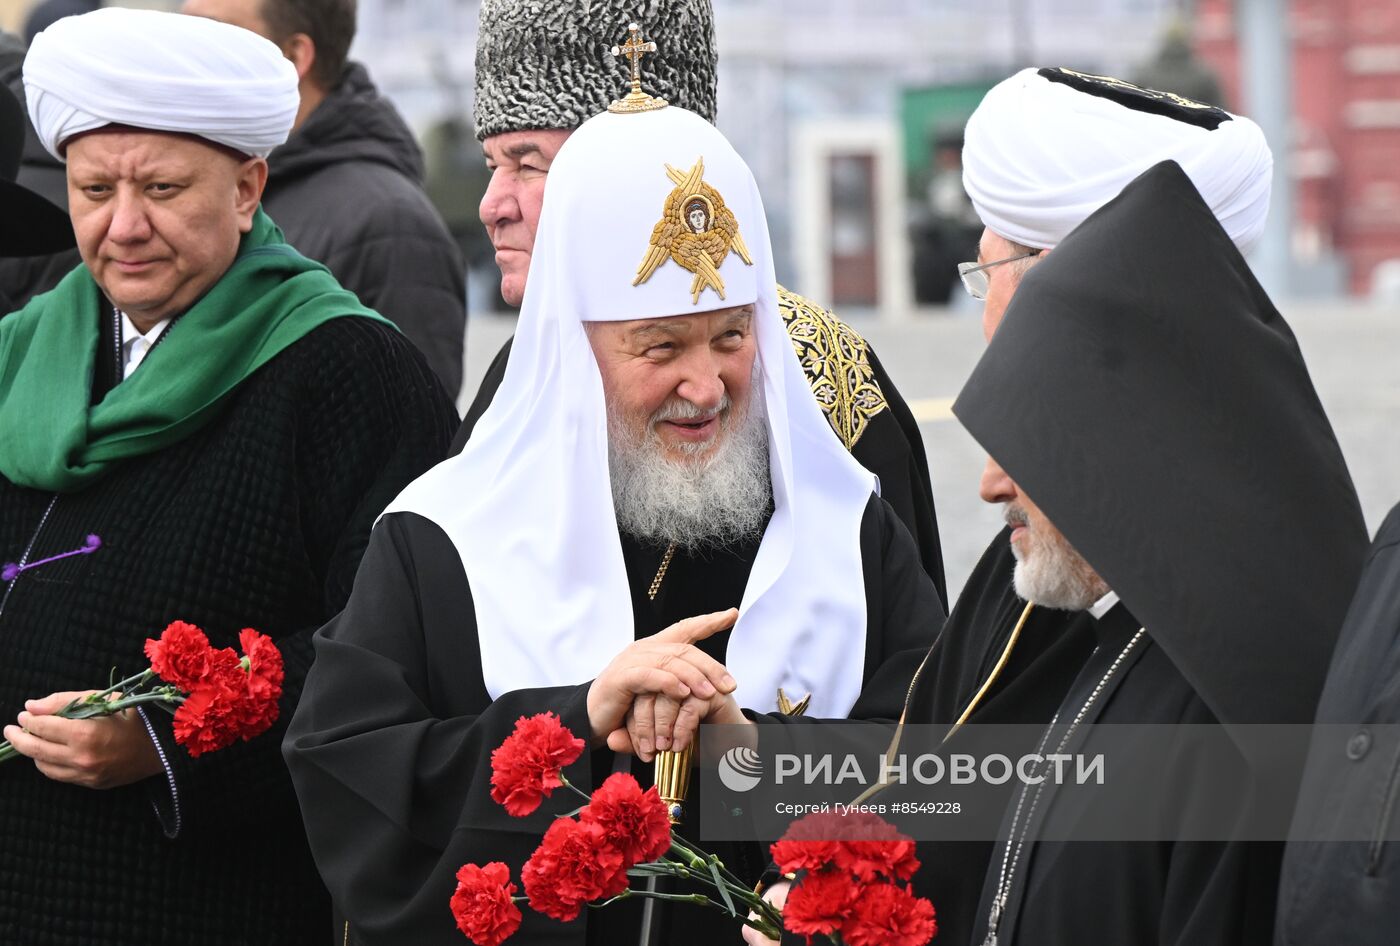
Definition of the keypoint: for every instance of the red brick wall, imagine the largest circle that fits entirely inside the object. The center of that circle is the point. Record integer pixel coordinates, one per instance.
(1346, 147)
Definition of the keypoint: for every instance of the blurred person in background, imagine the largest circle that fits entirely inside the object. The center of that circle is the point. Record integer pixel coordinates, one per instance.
(28, 269)
(32, 225)
(347, 187)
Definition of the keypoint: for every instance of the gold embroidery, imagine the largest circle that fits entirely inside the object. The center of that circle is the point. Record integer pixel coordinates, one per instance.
(1172, 97)
(837, 364)
(788, 708)
(696, 230)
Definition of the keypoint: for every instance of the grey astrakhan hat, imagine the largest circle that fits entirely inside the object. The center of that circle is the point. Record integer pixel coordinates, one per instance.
(549, 63)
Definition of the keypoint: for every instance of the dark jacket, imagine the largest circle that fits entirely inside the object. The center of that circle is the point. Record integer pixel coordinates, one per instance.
(22, 278)
(259, 519)
(347, 189)
(1347, 890)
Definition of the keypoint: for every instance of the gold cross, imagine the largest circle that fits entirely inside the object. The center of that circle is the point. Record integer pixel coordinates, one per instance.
(634, 49)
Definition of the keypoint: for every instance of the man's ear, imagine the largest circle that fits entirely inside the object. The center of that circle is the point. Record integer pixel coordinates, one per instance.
(300, 49)
(252, 178)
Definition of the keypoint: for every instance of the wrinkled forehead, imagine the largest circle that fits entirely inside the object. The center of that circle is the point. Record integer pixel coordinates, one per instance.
(616, 237)
(691, 325)
(128, 144)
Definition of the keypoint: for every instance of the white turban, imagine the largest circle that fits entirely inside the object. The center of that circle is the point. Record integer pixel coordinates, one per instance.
(162, 71)
(1040, 156)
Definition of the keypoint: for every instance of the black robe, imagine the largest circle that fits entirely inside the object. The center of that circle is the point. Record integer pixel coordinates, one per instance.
(1080, 892)
(860, 402)
(390, 746)
(1167, 892)
(1348, 890)
(1052, 647)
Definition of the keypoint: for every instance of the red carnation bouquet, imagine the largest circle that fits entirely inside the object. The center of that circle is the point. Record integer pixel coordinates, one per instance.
(848, 870)
(216, 696)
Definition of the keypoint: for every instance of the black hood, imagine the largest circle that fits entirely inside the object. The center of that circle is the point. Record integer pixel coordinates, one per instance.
(353, 123)
(1149, 398)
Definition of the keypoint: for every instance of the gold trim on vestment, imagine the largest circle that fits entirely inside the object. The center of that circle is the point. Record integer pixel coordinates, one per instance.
(836, 361)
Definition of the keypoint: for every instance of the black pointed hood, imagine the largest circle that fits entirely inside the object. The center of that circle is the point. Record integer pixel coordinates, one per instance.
(1149, 398)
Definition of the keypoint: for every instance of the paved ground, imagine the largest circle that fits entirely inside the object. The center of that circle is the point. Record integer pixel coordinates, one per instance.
(1353, 353)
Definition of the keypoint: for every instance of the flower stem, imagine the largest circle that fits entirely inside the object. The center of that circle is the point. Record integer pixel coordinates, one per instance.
(131, 683)
(574, 788)
(83, 710)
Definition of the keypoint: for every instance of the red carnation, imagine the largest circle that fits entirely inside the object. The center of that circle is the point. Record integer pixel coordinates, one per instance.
(793, 856)
(820, 904)
(888, 915)
(181, 656)
(210, 717)
(574, 864)
(265, 671)
(482, 904)
(869, 859)
(525, 767)
(864, 844)
(228, 703)
(634, 821)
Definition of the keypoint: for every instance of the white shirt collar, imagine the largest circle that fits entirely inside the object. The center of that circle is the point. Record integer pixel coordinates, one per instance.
(1105, 604)
(135, 345)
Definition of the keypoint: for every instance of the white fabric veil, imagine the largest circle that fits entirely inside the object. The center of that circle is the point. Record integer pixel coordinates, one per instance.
(528, 503)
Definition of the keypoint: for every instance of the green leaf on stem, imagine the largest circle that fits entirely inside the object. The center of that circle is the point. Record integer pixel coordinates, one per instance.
(723, 889)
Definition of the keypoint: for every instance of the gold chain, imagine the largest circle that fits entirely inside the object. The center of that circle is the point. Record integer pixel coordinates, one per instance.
(661, 572)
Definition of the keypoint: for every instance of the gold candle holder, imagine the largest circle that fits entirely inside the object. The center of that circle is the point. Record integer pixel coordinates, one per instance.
(672, 780)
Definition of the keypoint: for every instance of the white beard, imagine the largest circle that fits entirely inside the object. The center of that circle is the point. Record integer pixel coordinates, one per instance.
(711, 500)
(1052, 574)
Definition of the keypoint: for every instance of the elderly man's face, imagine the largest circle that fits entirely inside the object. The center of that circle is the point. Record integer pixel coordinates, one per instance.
(679, 379)
(1049, 571)
(158, 216)
(510, 208)
(1002, 280)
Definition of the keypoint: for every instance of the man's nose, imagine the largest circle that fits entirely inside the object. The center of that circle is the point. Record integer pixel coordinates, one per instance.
(499, 203)
(996, 485)
(702, 385)
(130, 223)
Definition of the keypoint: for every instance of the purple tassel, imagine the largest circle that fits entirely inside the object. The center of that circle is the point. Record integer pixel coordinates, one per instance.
(13, 570)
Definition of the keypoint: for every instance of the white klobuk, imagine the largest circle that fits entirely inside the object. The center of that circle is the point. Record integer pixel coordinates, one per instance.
(528, 503)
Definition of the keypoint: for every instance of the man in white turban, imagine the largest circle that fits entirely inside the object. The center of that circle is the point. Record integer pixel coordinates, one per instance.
(1048, 147)
(199, 424)
(655, 453)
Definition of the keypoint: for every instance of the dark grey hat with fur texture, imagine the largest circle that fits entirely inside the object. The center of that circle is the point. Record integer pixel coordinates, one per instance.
(549, 63)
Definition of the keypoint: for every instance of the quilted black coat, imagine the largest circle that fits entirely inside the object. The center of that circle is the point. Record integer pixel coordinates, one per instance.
(257, 520)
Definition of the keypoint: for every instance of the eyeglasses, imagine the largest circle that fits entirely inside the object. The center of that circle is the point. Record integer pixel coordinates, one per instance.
(974, 275)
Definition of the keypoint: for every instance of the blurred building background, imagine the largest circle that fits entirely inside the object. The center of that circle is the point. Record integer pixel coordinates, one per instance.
(851, 114)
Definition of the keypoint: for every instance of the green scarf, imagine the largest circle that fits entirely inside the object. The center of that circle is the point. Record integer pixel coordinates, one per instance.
(53, 438)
